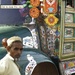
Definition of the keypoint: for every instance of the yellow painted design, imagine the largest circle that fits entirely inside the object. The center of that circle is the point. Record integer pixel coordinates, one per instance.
(51, 20)
(71, 64)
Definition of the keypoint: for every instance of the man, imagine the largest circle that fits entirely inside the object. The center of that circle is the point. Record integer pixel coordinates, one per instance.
(14, 49)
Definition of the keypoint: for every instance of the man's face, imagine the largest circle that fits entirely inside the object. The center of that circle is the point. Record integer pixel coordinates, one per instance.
(16, 49)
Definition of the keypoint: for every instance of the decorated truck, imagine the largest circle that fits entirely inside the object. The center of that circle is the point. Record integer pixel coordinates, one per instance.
(33, 60)
(47, 28)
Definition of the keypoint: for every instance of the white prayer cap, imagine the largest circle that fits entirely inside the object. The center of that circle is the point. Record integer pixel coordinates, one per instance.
(13, 39)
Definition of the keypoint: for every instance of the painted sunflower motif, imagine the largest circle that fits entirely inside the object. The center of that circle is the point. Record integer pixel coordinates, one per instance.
(51, 20)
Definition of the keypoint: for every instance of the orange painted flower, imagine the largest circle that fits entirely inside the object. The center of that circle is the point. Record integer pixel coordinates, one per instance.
(35, 3)
(34, 12)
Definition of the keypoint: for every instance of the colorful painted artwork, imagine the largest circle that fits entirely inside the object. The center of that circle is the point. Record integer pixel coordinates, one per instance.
(51, 20)
(35, 3)
(34, 12)
(31, 65)
(28, 42)
(68, 32)
(68, 47)
(50, 6)
(68, 67)
(69, 17)
(35, 38)
(52, 40)
(43, 37)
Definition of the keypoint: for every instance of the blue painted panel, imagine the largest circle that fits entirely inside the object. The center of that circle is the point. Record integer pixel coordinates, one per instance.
(11, 16)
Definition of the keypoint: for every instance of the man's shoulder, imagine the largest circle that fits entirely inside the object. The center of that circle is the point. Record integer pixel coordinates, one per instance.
(5, 58)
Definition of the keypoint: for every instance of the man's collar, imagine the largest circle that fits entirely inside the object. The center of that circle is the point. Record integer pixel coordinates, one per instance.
(8, 54)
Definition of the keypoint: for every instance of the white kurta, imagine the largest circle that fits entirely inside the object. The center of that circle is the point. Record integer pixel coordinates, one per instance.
(8, 67)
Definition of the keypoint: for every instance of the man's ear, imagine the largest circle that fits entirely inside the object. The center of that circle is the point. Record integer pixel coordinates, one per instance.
(8, 48)
(4, 42)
